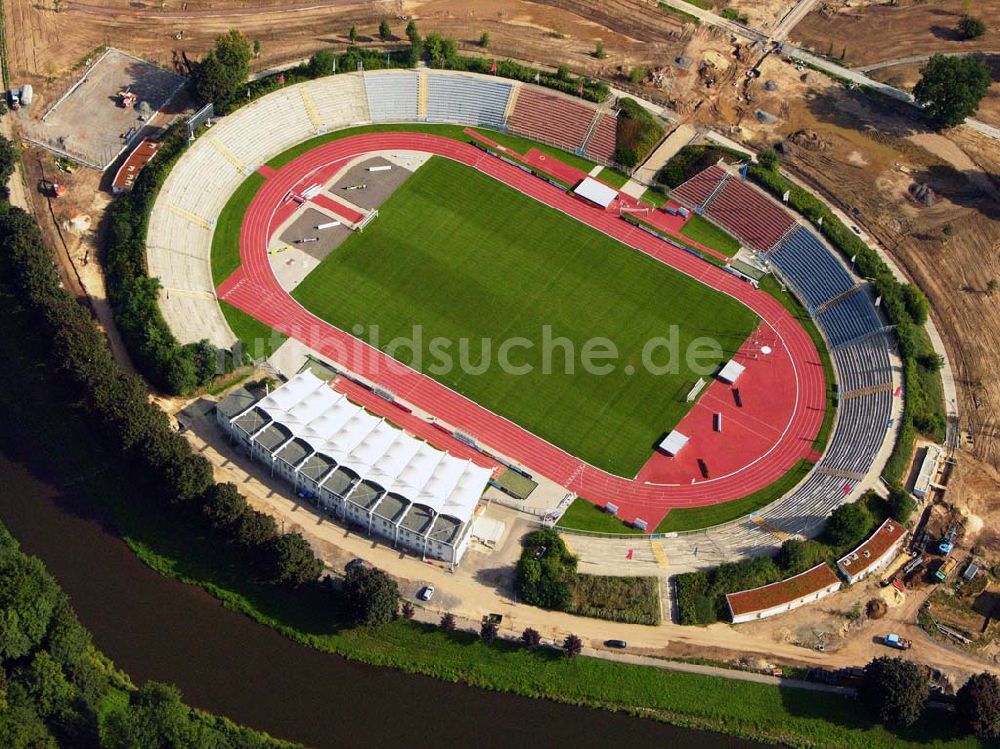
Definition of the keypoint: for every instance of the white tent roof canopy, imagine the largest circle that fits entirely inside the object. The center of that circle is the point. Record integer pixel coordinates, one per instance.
(596, 192)
(673, 443)
(731, 371)
(375, 449)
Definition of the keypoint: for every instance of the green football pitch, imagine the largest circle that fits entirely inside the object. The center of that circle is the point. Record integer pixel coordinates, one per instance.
(467, 258)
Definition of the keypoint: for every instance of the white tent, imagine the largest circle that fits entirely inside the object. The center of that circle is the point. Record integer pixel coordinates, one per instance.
(731, 372)
(673, 443)
(596, 192)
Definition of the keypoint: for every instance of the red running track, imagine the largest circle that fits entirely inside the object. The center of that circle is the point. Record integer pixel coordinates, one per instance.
(255, 290)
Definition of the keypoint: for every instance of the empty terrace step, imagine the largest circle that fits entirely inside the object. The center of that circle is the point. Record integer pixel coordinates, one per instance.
(840, 474)
(861, 392)
(511, 103)
(311, 113)
(422, 96)
(765, 526)
(840, 297)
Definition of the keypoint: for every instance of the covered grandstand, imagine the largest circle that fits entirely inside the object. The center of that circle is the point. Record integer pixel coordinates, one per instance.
(358, 466)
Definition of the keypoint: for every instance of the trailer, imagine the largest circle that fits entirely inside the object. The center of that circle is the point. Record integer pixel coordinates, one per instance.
(944, 571)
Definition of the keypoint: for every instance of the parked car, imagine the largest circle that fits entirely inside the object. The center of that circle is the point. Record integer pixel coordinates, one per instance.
(426, 593)
(895, 641)
(855, 229)
(620, 644)
(356, 563)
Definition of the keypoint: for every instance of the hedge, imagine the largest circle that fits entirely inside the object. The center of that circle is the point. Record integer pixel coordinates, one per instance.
(637, 133)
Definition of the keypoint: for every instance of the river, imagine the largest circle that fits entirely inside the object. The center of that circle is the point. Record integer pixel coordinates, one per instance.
(156, 628)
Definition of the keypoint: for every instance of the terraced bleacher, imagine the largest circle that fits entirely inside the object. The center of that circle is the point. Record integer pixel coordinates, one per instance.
(863, 363)
(749, 215)
(551, 119)
(849, 318)
(695, 192)
(340, 101)
(467, 100)
(809, 266)
(392, 96)
(865, 419)
(603, 139)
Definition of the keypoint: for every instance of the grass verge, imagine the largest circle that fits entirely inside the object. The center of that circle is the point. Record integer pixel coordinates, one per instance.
(582, 515)
(704, 232)
(634, 600)
(226, 237)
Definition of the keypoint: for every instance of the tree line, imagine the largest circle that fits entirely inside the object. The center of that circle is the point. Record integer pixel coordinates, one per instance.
(58, 690)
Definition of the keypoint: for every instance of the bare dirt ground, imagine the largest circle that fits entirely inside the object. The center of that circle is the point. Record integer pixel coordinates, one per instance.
(873, 33)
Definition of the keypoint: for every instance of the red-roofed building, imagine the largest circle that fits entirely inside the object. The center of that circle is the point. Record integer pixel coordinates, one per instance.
(129, 170)
(782, 596)
(873, 553)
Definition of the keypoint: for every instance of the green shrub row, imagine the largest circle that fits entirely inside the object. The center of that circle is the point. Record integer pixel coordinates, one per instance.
(118, 406)
(637, 133)
(171, 367)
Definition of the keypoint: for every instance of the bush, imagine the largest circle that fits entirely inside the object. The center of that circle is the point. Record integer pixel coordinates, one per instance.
(895, 690)
(531, 638)
(572, 646)
(847, 526)
(448, 622)
(768, 158)
(488, 631)
(970, 27)
(322, 63)
(637, 133)
(8, 160)
(545, 570)
(901, 504)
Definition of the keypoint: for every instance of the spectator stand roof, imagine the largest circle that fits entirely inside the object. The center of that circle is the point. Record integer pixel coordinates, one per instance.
(383, 456)
(130, 168)
(870, 553)
(596, 192)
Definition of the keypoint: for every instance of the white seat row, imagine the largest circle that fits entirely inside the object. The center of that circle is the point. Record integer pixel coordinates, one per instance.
(466, 99)
(392, 96)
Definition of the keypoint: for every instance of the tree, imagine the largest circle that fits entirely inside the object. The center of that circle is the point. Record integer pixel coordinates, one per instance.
(8, 160)
(531, 638)
(768, 158)
(28, 597)
(847, 525)
(991, 286)
(572, 646)
(46, 684)
(797, 556)
(384, 32)
(256, 47)
(408, 610)
(895, 690)
(224, 70)
(489, 631)
(154, 717)
(484, 39)
(322, 63)
(372, 597)
(545, 570)
(951, 88)
(291, 561)
(901, 504)
(970, 27)
(977, 705)
(411, 32)
(256, 529)
(353, 34)
(224, 507)
(448, 622)
(637, 75)
(599, 52)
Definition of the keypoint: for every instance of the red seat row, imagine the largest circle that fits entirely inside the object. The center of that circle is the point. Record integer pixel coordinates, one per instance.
(551, 119)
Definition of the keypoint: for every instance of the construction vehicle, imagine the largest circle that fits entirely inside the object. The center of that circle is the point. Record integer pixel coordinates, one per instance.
(948, 541)
(944, 571)
(51, 189)
(127, 98)
(892, 640)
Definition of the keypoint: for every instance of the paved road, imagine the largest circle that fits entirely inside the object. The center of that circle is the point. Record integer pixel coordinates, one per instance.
(919, 58)
(827, 66)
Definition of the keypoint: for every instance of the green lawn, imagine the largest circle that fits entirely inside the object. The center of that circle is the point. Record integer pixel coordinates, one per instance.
(582, 515)
(653, 198)
(693, 518)
(611, 177)
(259, 341)
(705, 232)
(226, 237)
(469, 259)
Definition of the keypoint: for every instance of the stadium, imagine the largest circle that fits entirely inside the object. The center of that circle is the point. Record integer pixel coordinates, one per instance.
(342, 212)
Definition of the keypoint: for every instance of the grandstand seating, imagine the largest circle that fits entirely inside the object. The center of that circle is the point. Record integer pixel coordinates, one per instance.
(603, 138)
(696, 191)
(551, 119)
(466, 99)
(392, 96)
(340, 100)
(863, 363)
(749, 215)
(806, 263)
(253, 146)
(849, 318)
(862, 423)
